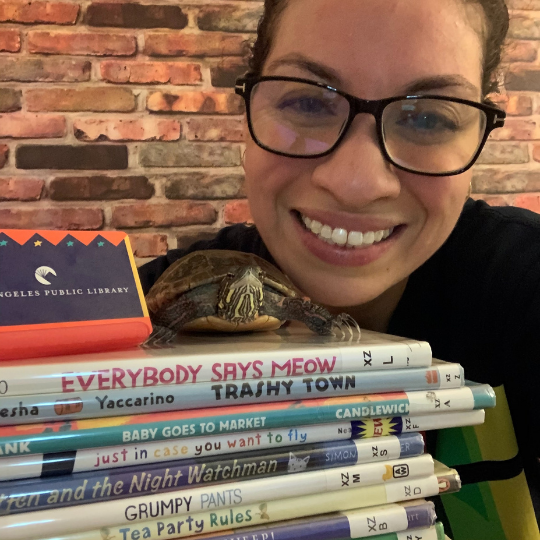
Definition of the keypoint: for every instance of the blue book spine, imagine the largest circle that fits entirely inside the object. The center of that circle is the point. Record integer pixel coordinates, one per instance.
(115, 431)
(20, 496)
(379, 519)
(96, 404)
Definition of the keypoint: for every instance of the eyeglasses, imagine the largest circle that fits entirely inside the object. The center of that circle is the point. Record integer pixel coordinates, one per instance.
(429, 135)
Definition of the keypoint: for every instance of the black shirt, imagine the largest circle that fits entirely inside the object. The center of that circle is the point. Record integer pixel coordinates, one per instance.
(476, 301)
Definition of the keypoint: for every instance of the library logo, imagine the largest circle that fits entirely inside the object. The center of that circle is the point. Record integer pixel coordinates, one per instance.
(401, 471)
(41, 272)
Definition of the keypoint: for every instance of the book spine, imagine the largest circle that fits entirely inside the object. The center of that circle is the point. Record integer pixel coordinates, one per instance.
(93, 459)
(379, 427)
(91, 404)
(118, 430)
(132, 371)
(90, 459)
(181, 522)
(83, 488)
(432, 533)
(348, 524)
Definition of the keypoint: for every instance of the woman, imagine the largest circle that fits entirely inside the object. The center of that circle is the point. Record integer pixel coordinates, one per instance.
(359, 199)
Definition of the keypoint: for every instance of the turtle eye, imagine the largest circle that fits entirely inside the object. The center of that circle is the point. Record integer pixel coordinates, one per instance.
(230, 274)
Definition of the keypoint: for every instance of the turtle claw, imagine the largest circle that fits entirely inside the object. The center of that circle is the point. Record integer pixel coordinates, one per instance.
(347, 325)
(160, 337)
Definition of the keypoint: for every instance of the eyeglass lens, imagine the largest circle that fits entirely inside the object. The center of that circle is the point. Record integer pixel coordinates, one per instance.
(425, 135)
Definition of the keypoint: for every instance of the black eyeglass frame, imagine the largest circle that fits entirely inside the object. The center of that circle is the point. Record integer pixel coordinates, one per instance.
(495, 117)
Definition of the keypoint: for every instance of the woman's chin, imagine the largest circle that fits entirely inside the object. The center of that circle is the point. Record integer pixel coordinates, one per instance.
(340, 296)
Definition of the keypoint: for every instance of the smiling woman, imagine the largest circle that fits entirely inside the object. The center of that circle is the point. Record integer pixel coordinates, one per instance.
(364, 122)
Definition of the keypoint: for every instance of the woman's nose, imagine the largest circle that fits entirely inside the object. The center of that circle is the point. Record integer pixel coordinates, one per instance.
(356, 173)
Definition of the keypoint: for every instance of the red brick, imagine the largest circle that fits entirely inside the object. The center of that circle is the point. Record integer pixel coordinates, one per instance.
(142, 129)
(186, 154)
(28, 12)
(148, 245)
(524, 28)
(163, 215)
(531, 201)
(10, 40)
(516, 130)
(523, 4)
(215, 129)
(52, 218)
(498, 180)
(191, 102)
(520, 51)
(134, 15)
(513, 104)
(62, 157)
(536, 152)
(94, 99)
(225, 73)
(237, 212)
(4, 154)
(10, 99)
(230, 18)
(504, 153)
(519, 105)
(82, 43)
(96, 188)
(151, 72)
(198, 185)
(201, 44)
(20, 189)
(44, 69)
(31, 126)
(520, 79)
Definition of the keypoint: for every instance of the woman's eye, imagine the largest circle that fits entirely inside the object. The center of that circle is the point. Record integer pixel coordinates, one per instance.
(427, 122)
(306, 105)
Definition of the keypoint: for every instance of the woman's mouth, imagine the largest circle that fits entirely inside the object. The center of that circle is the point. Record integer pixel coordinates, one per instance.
(342, 237)
(345, 247)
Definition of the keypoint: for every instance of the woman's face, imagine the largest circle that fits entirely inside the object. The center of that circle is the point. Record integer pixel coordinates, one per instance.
(372, 50)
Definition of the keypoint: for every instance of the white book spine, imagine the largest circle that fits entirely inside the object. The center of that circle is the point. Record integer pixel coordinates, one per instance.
(140, 368)
(390, 475)
(419, 534)
(375, 497)
(110, 457)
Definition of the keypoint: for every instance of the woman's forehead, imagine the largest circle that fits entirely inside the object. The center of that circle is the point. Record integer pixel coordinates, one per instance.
(381, 47)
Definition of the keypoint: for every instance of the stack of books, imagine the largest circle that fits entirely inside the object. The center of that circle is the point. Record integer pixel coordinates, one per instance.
(279, 435)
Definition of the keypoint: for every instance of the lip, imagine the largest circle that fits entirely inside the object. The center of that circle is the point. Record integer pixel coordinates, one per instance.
(343, 256)
(346, 221)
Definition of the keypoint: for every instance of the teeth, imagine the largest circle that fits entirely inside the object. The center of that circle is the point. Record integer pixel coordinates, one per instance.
(342, 237)
(339, 236)
(355, 238)
(326, 232)
(369, 238)
(315, 227)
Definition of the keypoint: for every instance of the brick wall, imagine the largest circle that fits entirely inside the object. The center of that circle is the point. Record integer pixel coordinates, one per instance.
(121, 115)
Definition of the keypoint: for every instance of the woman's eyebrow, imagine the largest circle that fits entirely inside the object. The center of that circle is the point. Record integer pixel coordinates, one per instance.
(299, 61)
(327, 74)
(442, 82)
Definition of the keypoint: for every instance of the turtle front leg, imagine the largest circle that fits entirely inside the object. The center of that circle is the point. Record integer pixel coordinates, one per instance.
(315, 317)
(168, 321)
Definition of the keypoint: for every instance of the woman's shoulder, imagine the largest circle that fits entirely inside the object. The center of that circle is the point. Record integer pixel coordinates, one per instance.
(236, 237)
(496, 236)
(488, 222)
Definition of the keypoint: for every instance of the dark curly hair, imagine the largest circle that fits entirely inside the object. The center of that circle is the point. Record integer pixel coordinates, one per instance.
(494, 34)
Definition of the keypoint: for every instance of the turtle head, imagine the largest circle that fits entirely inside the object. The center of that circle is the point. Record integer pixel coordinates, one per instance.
(240, 295)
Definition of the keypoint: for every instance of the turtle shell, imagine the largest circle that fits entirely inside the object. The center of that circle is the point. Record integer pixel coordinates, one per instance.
(211, 266)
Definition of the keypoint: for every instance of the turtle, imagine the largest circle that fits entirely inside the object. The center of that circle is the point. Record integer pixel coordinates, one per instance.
(231, 291)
